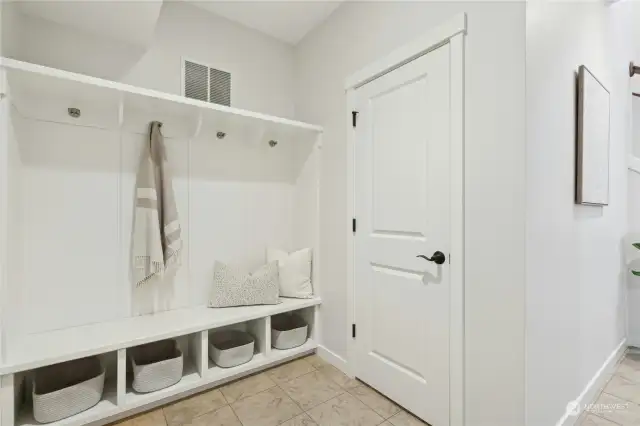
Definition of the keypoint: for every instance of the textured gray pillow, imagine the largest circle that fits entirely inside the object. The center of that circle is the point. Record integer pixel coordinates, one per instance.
(235, 287)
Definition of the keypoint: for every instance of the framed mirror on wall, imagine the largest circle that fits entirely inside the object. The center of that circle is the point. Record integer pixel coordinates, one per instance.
(592, 145)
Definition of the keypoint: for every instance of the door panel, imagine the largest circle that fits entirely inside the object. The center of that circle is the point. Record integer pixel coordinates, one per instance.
(391, 340)
(398, 159)
(402, 205)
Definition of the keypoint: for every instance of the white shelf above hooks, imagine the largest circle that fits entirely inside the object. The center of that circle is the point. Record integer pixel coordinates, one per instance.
(36, 82)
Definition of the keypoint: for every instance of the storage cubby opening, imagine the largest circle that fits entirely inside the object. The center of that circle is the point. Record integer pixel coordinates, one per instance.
(227, 340)
(158, 367)
(45, 394)
(286, 328)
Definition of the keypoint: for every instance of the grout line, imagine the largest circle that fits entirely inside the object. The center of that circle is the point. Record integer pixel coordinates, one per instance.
(164, 415)
(292, 400)
(604, 418)
(236, 414)
(379, 394)
(609, 420)
(219, 389)
(619, 397)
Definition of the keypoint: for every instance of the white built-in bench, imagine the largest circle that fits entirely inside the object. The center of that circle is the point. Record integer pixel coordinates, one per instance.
(111, 339)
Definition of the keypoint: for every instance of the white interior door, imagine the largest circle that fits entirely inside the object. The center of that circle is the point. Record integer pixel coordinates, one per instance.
(402, 205)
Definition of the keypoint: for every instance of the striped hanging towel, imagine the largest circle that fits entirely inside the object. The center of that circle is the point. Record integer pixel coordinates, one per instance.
(157, 242)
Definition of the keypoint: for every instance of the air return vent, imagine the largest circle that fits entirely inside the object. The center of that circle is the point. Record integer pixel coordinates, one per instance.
(207, 84)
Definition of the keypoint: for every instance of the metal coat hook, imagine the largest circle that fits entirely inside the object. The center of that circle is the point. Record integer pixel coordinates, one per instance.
(633, 69)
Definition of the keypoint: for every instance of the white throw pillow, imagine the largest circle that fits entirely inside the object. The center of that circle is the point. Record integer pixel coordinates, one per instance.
(295, 272)
(235, 287)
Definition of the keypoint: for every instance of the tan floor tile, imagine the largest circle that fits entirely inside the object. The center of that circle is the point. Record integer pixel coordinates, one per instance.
(629, 369)
(339, 377)
(386, 424)
(632, 359)
(311, 389)
(289, 371)
(221, 417)
(378, 403)
(623, 388)
(190, 408)
(615, 409)
(246, 387)
(344, 410)
(406, 419)
(301, 420)
(268, 408)
(593, 420)
(316, 361)
(151, 418)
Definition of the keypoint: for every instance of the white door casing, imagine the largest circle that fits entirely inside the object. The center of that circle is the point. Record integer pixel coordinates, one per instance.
(409, 312)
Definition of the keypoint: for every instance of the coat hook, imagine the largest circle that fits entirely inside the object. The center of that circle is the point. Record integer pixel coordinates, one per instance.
(221, 135)
(633, 69)
(74, 112)
(273, 143)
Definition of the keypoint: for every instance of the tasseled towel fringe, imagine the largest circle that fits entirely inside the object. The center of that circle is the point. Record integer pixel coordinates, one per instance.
(155, 269)
(173, 259)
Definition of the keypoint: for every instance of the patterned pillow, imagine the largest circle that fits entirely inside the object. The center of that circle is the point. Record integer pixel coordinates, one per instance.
(235, 287)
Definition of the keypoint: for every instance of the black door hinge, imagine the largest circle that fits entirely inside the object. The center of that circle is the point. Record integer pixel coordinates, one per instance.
(353, 331)
(353, 225)
(354, 118)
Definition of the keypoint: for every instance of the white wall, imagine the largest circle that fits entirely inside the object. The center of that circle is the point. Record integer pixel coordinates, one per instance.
(72, 187)
(261, 67)
(359, 33)
(101, 165)
(633, 208)
(575, 274)
(633, 295)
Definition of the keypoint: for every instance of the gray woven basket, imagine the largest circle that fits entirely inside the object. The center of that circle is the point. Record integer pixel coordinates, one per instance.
(156, 365)
(288, 331)
(63, 390)
(228, 348)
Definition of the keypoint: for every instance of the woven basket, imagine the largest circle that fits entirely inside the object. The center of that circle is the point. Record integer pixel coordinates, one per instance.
(229, 348)
(63, 390)
(288, 331)
(156, 365)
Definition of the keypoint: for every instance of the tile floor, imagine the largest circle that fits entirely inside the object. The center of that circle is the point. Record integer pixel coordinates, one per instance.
(618, 402)
(304, 392)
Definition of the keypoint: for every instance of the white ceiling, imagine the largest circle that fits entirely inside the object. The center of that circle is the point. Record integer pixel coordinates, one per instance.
(288, 21)
(128, 21)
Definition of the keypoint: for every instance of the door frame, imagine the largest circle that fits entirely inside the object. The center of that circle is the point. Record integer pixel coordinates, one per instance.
(451, 32)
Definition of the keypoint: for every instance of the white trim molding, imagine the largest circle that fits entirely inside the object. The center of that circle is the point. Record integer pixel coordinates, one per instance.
(452, 32)
(597, 382)
(332, 358)
(407, 53)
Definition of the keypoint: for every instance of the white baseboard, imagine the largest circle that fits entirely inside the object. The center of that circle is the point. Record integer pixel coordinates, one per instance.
(595, 384)
(332, 358)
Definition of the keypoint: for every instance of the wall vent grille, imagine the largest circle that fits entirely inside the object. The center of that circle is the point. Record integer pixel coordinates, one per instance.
(206, 84)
